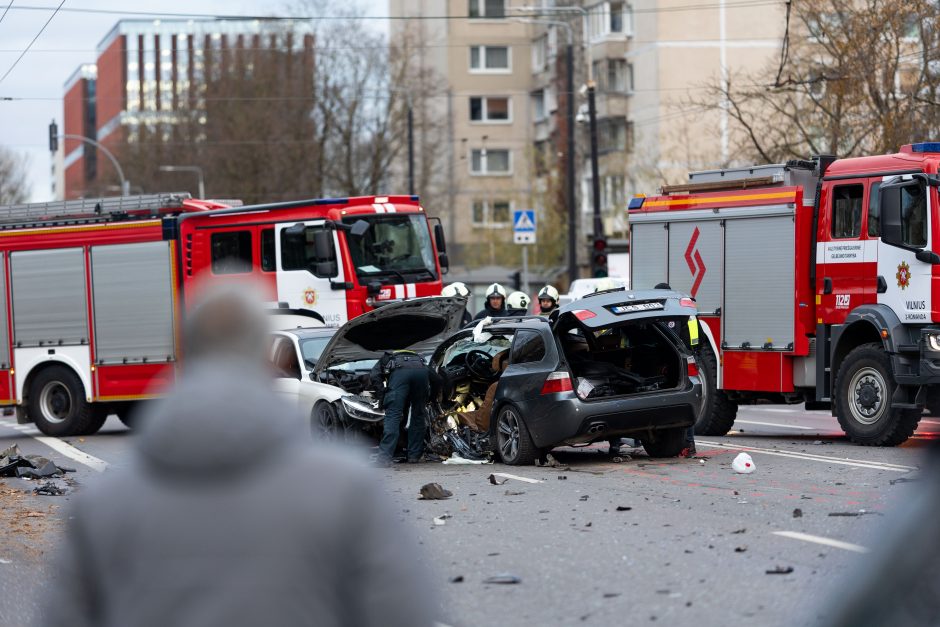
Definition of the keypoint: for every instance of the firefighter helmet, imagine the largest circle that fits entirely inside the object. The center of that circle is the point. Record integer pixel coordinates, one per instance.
(605, 284)
(455, 289)
(496, 289)
(549, 292)
(518, 300)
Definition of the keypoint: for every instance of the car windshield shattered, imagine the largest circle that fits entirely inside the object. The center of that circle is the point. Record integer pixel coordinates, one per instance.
(396, 247)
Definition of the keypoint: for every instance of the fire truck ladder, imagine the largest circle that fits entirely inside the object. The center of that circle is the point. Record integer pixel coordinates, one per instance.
(89, 210)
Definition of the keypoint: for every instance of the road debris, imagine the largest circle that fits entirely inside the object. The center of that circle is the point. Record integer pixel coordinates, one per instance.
(742, 530)
(611, 595)
(49, 489)
(624, 508)
(434, 492)
(457, 460)
(904, 480)
(797, 513)
(496, 480)
(513, 493)
(15, 464)
(584, 497)
(780, 570)
(562, 477)
(504, 578)
(861, 512)
(743, 464)
(740, 549)
(457, 579)
(441, 520)
(549, 461)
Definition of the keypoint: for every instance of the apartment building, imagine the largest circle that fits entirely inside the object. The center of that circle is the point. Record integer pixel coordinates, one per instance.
(145, 72)
(503, 67)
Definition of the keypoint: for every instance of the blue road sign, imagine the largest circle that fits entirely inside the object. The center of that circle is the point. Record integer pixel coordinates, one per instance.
(523, 226)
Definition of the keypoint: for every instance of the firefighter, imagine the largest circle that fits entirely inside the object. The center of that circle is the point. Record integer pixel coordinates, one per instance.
(495, 302)
(402, 379)
(459, 289)
(548, 300)
(517, 304)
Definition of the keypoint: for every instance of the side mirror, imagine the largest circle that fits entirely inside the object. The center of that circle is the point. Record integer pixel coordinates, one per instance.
(327, 269)
(323, 242)
(889, 198)
(928, 256)
(439, 239)
(445, 263)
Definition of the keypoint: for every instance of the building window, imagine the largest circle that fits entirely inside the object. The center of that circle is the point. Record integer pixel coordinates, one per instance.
(612, 193)
(538, 105)
(493, 9)
(231, 252)
(495, 59)
(540, 53)
(610, 18)
(490, 109)
(619, 77)
(485, 161)
(614, 135)
(491, 213)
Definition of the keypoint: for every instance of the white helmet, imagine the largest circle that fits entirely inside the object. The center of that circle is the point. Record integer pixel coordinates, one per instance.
(496, 290)
(518, 300)
(549, 292)
(605, 284)
(455, 289)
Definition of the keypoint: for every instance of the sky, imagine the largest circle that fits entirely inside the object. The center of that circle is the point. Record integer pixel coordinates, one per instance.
(69, 40)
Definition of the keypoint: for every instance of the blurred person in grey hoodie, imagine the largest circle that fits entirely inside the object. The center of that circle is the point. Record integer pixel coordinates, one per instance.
(228, 515)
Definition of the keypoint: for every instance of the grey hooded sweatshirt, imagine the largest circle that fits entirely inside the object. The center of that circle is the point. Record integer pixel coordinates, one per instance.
(229, 516)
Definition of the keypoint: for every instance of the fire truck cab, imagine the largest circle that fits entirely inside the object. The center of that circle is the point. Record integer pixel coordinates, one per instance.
(816, 281)
(92, 291)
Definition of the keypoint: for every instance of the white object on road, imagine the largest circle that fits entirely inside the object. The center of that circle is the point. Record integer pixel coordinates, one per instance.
(441, 520)
(456, 459)
(743, 464)
(838, 544)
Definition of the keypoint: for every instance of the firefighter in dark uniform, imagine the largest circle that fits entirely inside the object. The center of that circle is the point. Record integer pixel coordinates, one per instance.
(401, 379)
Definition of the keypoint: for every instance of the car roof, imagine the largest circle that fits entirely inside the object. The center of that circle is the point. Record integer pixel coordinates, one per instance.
(618, 306)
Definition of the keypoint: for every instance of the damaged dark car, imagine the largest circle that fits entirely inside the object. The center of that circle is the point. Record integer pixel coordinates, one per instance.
(613, 364)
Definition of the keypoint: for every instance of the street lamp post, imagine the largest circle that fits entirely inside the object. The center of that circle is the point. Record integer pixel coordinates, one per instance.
(188, 168)
(54, 145)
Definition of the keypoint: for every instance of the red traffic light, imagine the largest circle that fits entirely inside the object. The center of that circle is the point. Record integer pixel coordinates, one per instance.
(600, 245)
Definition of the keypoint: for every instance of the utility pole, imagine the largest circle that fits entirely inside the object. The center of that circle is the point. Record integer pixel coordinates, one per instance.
(595, 178)
(411, 149)
(569, 163)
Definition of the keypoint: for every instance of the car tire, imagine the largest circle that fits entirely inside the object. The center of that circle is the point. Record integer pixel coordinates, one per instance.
(513, 443)
(666, 442)
(58, 406)
(718, 411)
(324, 422)
(863, 391)
(126, 413)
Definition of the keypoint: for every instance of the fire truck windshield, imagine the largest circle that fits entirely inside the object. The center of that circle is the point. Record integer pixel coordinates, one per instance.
(394, 246)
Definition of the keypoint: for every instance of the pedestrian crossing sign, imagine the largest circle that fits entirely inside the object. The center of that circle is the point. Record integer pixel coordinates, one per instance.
(523, 226)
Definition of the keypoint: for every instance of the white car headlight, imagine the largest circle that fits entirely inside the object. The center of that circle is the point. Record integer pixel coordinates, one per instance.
(933, 341)
(360, 409)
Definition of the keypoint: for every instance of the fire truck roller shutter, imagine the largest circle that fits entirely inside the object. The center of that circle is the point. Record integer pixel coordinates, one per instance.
(4, 331)
(759, 275)
(695, 262)
(133, 302)
(49, 306)
(648, 255)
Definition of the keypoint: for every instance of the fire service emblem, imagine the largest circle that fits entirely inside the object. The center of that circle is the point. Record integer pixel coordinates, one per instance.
(904, 275)
(310, 296)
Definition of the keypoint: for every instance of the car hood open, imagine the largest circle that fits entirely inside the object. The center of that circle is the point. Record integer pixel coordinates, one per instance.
(606, 309)
(419, 325)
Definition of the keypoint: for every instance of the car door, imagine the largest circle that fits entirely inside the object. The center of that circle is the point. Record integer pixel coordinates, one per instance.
(523, 378)
(287, 371)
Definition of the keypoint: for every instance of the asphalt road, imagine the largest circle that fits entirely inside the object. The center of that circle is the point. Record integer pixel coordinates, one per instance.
(641, 541)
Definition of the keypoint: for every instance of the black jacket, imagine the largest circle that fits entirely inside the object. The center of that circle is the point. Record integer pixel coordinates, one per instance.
(401, 359)
(493, 313)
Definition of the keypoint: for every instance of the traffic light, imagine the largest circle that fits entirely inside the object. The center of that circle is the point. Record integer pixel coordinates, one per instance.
(53, 137)
(516, 278)
(599, 258)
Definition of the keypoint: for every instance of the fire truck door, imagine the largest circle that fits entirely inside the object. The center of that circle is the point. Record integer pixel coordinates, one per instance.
(847, 259)
(905, 207)
(305, 272)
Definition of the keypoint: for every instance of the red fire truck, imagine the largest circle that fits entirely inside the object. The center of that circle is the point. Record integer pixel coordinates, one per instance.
(816, 281)
(91, 291)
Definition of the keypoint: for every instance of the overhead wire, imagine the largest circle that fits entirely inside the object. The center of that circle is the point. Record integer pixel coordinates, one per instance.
(6, 10)
(25, 50)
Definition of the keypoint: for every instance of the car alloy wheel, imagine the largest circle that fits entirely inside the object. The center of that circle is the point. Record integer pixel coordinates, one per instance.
(508, 435)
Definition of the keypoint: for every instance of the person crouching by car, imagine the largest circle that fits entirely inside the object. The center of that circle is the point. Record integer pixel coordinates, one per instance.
(548, 300)
(402, 379)
(517, 304)
(495, 302)
(459, 289)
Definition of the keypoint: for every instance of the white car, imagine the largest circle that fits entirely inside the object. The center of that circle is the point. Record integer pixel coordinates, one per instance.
(325, 370)
(580, 288)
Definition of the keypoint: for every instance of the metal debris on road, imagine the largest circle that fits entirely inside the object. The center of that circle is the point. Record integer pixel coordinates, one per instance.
(15, 464)
(624, 508)
(497, 481)
(49, 489)
(505, 578)
(434, 492)
(780, 570)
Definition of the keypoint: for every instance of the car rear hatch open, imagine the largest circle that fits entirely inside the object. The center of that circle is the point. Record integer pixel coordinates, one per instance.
(621, 343)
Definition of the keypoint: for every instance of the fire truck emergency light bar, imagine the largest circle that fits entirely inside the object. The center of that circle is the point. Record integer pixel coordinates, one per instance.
(926, 147)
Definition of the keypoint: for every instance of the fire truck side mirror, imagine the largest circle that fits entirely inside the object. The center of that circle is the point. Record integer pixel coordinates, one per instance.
(889, 199)
(439, 238)
(326, 265)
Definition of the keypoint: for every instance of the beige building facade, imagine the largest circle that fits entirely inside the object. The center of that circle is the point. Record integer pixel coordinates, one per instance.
(502, 64)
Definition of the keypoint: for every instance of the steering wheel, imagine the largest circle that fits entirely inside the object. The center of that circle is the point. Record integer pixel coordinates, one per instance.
(480, 365)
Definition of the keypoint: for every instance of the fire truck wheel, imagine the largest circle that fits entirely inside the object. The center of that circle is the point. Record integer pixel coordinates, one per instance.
(668, 443)
(718, 411)
(57, 404)
(864, 387)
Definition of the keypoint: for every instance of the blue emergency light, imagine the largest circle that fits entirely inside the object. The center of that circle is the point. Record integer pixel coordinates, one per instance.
(636, 203)
(926, 147)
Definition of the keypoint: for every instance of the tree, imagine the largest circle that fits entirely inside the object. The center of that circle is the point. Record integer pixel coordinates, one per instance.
(853, 78)
(13, 185)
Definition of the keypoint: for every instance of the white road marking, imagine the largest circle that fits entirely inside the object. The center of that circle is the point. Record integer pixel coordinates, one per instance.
(845, 461)
(838, 544)
(58, 445)
(517, 477)
(773, 424)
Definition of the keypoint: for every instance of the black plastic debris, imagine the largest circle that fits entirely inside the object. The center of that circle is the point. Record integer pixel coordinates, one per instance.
(562, 477)
(904, 480)
(497, 481)
(623, 508)
(780, 570)
(504, 578)
(513, 493)
(49, 489)
(584, 497)
(434, 492)
(739, 531)
(861, 512)
(457, 579)
(797, 513)
(740, 549)
(15, 464)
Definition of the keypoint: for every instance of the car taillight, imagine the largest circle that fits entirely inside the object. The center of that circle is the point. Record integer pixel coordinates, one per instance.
(584, 314)
(691, 367)
(558, 381)
(687, 302)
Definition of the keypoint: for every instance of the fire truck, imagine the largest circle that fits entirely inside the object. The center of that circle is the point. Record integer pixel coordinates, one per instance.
(92, 291)
(817, 281)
